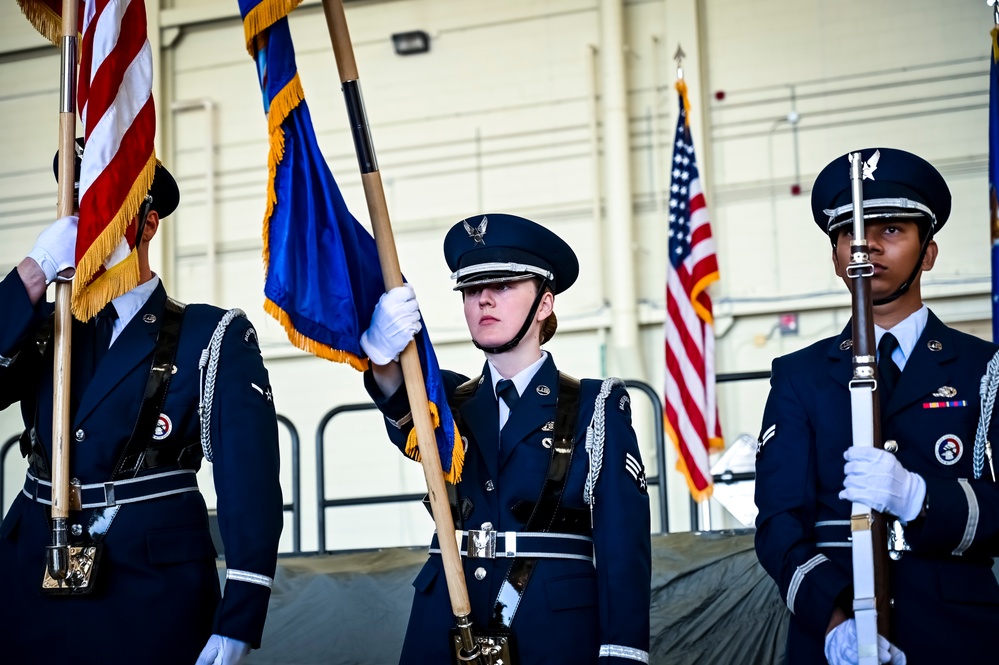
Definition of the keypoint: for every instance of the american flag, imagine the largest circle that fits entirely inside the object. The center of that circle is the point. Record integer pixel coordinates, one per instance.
(691, 409)
(115, 102)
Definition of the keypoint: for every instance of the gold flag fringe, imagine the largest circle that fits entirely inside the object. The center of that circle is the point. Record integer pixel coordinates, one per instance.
(311, 345)
(47, 22)
(457, 450)
(263, 16)
(259, 19)
(681, 464)
(282, 105)
(90, 297)
(681, 87)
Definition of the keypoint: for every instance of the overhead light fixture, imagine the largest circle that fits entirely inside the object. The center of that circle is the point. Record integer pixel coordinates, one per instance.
(411, 43)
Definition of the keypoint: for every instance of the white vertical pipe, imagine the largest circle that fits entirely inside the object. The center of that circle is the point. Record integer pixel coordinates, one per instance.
(619, 236)
(599, 266)
(211, 240)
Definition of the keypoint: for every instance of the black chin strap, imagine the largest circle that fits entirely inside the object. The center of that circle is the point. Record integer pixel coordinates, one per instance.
(147, 205)
(901, 290)
(523, 329)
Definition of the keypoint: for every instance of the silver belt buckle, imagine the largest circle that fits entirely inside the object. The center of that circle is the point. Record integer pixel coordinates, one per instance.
(481, 545)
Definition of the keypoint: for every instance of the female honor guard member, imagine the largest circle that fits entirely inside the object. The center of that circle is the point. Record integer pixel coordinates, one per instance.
(944, 597)
(581, 543)
(137, 442)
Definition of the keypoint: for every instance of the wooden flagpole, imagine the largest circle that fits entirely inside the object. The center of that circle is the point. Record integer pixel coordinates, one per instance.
(374, 194)
(58, 551)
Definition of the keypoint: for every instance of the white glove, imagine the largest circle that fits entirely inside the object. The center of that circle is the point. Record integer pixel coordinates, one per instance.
(394, 322)
(876, 479)
(223, 651)
(841, 647)
(55, 249)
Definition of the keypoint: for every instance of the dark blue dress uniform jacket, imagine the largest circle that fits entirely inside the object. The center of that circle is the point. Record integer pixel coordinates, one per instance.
(945, 606)
(571, 608)
(156, 598)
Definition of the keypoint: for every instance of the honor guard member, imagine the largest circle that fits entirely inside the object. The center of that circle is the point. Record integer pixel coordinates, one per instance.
(153, 596)
(578, 539)
(928, 475)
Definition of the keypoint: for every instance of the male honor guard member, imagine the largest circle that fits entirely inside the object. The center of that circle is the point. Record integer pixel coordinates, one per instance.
(552, 510)
(931, 475)
(155, 386)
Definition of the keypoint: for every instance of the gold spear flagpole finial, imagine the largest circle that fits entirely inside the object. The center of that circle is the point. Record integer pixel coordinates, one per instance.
(994, 4)
(680, 55)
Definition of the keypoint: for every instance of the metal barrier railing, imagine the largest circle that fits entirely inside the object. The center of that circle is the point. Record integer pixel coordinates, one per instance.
(659, 480)
(296, 486)
(322, 503)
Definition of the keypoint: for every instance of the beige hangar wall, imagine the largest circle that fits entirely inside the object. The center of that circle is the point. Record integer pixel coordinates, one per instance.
(501, 115)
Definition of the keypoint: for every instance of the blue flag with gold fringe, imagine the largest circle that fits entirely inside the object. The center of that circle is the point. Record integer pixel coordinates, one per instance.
(993, 175)
(323, 277)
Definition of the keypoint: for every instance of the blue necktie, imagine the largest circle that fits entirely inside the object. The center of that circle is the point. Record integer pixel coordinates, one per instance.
(508, 392)
(888, 371)
(104, 328)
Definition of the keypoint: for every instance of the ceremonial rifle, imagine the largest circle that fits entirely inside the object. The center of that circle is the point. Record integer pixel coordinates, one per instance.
(868, 527)
(374, 194)
(57, 559)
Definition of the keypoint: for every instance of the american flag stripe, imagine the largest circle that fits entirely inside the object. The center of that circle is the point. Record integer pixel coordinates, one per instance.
(691, 408)
(119, 121)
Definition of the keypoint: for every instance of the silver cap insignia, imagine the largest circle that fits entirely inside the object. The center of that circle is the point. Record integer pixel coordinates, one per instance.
(478, 233)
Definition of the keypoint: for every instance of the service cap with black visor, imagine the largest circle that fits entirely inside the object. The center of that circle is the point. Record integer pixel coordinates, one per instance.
(898, 185)
(500, 248)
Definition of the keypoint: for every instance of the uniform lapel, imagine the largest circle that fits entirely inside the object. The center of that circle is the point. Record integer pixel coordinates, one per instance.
(133, 347)
(480, 415)
(924, 370)
(840, 355)
(533, 409)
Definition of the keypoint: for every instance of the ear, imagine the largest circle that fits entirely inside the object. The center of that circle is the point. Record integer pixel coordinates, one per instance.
(930, 257)
(151, 226)
(546, 306)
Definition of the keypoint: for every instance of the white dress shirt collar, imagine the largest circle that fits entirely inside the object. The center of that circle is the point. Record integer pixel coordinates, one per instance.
(128, 305)
(907, 332)
(521, 380)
